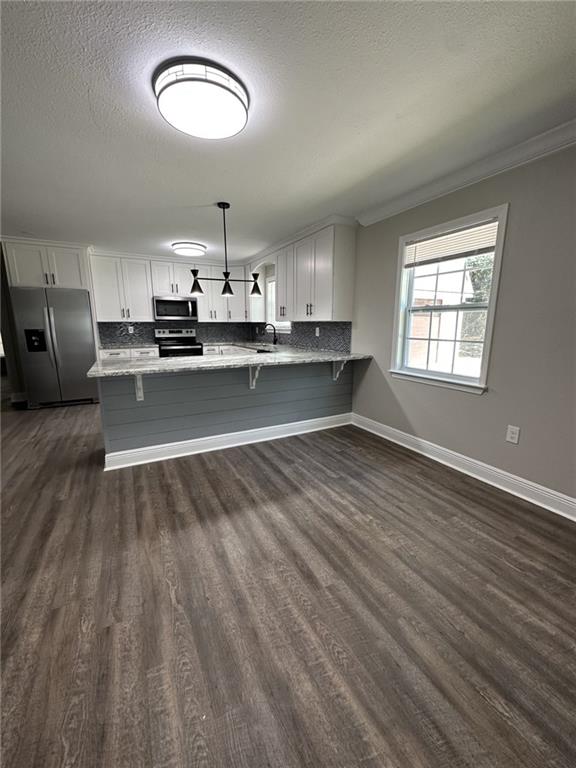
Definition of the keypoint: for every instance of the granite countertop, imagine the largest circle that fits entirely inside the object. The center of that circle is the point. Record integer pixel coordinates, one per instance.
(284, 355)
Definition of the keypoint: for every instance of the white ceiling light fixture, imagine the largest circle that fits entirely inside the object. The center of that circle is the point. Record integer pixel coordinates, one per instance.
(201, 98)
(189, 249)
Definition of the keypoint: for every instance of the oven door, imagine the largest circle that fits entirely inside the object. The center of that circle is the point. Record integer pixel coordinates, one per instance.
(174, 308)
(180, 350)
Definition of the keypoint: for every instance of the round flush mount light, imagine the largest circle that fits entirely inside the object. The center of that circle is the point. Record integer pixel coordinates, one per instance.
(201, 98)
(189, 249)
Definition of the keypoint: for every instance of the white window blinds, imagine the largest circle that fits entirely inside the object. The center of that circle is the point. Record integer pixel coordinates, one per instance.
(472, 241)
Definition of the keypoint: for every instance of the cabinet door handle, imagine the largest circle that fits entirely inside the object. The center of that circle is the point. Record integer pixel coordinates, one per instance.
(311, 305)
(127, 313)
(171, 287)
(215, 315)
(307, 309)
(177, 289)
(229, 315)
(210, 314)
(123, 314)
(46, 278)
(53, 279)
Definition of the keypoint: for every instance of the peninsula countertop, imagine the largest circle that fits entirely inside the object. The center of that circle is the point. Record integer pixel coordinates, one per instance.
(283, 355)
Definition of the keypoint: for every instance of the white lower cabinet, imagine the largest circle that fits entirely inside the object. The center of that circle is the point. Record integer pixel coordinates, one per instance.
(134, 353)
(122, 289)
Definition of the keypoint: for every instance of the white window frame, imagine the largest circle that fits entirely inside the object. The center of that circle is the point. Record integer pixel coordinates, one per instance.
(463, 383)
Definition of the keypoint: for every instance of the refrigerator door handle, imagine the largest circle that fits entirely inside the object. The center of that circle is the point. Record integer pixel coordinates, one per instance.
(54, 338)
(47, 331)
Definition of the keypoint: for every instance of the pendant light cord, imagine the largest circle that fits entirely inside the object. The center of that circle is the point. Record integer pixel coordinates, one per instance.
(225, 240)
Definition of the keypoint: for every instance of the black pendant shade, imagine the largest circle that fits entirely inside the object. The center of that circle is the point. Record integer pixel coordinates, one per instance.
(255, 288)
(196, 289)
(227, 289)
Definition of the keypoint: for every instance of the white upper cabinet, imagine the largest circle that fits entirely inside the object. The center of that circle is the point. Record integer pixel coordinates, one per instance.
(137, 289)
(236, 303)
(171, 278)
(122, 289)
(108, 288)
(303, 278)
(212, 306)
(68, 267)
(162, 278)
(285, 284)
(27, 265)
(324, 275)
(37, 266)
(183, 278)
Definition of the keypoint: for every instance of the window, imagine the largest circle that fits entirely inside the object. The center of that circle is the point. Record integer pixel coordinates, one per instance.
(447, 285)
(271, 300)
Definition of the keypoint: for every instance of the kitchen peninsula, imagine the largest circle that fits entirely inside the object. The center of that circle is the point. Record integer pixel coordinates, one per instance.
(155, 409)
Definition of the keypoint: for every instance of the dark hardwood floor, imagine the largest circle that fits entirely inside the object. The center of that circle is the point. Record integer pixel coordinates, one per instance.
(330, 600)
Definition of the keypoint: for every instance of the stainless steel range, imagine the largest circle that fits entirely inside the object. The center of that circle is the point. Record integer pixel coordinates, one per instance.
(176, 342)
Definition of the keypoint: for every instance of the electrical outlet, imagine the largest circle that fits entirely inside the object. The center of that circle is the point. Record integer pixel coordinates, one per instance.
(512, 434)
(130, 329)
(317, 331)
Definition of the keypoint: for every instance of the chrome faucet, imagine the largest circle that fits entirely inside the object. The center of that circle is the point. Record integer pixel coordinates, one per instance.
(275, 337)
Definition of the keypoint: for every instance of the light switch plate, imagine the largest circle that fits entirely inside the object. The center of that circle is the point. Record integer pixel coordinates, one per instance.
(512, 434)
(130, 329)
(317, 331)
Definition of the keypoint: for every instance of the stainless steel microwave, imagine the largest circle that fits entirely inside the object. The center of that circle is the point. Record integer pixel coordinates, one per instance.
(175, 308)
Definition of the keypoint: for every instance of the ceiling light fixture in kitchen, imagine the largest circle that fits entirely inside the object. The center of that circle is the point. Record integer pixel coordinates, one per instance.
(189, 249)
(200, 98)
(197, 289)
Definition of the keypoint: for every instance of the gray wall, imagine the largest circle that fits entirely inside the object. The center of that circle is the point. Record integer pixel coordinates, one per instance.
(531, 377)
(186, 406)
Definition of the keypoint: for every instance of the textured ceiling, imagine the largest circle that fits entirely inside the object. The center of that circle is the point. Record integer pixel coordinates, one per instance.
(352, 104)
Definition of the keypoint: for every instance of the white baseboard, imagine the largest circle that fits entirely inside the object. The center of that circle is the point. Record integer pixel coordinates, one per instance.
(120, 459)
(537, 494)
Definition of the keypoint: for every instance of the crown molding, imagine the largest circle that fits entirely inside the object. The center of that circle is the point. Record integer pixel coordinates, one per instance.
(347, 221)
(43, 241)
(554, 140)
(171, 258)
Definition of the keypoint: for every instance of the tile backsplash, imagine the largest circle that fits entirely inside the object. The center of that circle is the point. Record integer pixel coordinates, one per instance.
(116, 334)
(333, 336)
(336, 337)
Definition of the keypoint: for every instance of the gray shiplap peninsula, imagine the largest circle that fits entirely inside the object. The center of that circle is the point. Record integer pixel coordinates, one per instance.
(162, 408)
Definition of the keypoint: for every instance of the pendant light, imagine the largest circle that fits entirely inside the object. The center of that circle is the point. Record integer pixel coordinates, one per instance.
(200, 97)
(197, 289)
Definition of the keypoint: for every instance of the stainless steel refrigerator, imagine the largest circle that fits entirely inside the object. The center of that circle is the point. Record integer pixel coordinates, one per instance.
(56, 343)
